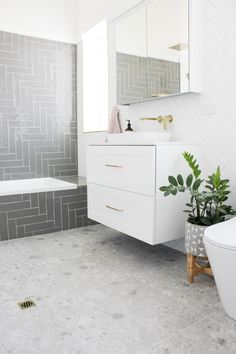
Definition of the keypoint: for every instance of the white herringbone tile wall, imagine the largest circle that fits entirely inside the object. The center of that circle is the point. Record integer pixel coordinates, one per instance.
(210, 117)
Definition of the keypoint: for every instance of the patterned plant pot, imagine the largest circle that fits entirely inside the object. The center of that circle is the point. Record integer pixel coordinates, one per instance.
(194, 239)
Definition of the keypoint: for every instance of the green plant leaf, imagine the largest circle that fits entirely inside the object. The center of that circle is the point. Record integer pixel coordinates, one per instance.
(205, 221)
(208, 194)
(197, 184)
(166, 193)
(164, 188)
(192, 219)
(189, 180)
(173, 181)
(217, 220)
(207, 206)
(192, 162)
(216, 178)
(209, 187)
(180, 180)
(223, 211)
(174, 191)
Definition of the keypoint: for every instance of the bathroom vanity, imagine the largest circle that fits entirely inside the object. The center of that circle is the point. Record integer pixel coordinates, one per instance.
(123, 188)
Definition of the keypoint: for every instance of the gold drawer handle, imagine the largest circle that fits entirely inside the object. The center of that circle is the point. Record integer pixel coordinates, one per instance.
(119, 210)
(116, 166)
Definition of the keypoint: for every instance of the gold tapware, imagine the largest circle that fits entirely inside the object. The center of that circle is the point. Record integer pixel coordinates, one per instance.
(161, 119)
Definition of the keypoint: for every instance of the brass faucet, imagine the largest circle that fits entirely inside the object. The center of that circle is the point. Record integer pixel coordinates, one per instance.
(161, 119)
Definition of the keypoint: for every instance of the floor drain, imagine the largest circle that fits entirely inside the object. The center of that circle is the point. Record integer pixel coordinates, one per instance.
(26, 304)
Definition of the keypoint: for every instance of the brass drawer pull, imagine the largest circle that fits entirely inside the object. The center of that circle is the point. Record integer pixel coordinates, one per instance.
(116, 166)
(119, 210)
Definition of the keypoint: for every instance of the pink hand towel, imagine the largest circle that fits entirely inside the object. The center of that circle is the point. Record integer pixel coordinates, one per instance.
(114, 126)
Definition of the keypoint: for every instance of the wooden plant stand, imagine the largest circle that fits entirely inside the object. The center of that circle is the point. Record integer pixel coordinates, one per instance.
(194, 267)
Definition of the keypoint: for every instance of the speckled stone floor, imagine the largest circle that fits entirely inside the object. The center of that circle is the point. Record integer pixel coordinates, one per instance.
(99, 291)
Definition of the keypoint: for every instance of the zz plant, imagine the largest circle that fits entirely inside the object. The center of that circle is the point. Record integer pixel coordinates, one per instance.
(206, 206)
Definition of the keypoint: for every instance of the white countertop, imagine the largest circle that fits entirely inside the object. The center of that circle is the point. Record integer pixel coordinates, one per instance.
(170, 143)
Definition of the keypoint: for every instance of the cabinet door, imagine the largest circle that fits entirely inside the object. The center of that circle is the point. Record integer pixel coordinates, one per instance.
(131, 56)
(130, 213)
(167, 47)
(130, 168)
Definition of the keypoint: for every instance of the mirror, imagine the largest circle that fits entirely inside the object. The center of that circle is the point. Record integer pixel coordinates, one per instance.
(151, 44)
(167, 47)
(131, 57)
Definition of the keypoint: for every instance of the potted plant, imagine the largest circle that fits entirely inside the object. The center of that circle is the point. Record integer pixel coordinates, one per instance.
(206, 205)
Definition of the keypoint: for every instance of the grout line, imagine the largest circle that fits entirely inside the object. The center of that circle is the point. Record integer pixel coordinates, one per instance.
(181, 330)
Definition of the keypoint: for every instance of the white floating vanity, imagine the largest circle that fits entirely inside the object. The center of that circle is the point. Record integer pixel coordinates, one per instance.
(123, 189)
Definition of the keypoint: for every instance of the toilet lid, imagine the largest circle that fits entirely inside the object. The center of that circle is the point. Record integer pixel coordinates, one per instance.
(222, 234)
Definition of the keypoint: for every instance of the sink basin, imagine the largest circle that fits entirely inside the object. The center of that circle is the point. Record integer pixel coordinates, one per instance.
(138, 137)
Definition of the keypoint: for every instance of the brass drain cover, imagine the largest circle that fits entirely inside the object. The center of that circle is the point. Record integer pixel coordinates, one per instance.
(26, 304)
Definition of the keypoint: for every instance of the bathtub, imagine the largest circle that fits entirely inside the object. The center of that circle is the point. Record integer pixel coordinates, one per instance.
(41, 205)
(34, 185)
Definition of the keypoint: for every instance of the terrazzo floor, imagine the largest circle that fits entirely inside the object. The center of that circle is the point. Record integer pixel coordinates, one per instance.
(99, 291)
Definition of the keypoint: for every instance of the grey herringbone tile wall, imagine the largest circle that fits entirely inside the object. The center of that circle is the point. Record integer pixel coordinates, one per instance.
(139, 78)
(33, 214)
(163, 77)
(131, 76)
(38, 127)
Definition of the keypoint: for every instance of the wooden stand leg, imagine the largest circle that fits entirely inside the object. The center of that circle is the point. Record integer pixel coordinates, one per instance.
(194, 268)
(190, 267)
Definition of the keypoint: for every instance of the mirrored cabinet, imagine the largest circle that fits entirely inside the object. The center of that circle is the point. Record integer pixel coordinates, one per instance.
(155, 51)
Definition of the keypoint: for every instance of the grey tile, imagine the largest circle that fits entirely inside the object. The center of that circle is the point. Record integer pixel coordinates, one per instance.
(65, 217)
(31, 220)
(43, 212)
(14, 206)
(47, 225)
(78, 205)
(30, 105)
(10, 199)
(4, 228)
(204, 337)
(72, 219)
(20, 231)
(139, 78)
(16, 214)
(12, 228)
(50, 205)
(42, 203)
(34, 200)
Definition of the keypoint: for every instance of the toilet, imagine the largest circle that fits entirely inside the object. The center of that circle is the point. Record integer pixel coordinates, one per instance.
(220, 243)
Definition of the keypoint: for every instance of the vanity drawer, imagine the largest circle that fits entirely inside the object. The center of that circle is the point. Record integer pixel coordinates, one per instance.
(130, 168)
(130, 213)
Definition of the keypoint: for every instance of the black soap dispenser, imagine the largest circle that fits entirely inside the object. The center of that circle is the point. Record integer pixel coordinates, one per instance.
(128, 129)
